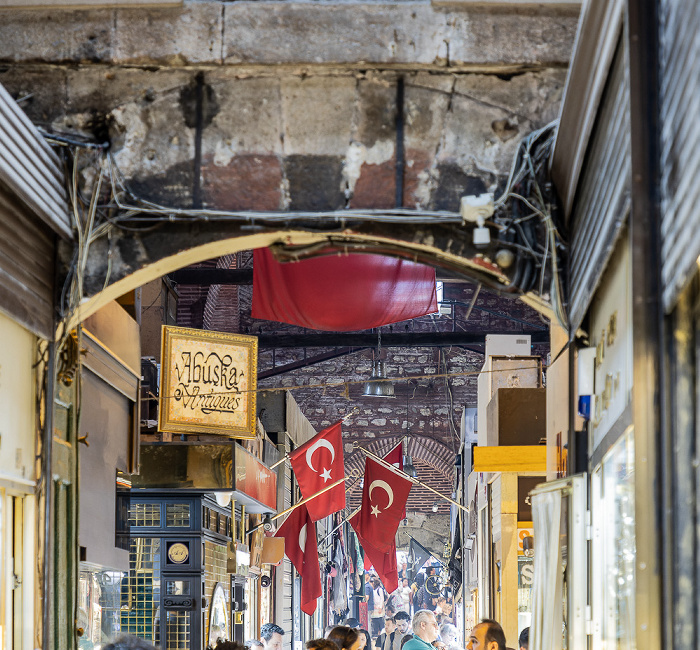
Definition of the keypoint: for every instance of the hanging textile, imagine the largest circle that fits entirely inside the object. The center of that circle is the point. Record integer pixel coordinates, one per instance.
(341, 293)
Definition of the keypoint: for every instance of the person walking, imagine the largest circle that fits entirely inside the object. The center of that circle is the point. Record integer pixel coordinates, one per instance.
(271, 636)
(487, 635)
(425, 631)
(376, 598)
(524, 639)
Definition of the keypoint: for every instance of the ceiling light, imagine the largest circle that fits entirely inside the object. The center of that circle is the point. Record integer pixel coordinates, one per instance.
(435, 507)
(378, 386)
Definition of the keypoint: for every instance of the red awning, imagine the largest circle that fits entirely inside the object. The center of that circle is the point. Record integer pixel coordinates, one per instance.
(341, 293)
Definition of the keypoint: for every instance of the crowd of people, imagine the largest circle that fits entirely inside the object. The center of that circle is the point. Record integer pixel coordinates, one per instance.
(422, 629)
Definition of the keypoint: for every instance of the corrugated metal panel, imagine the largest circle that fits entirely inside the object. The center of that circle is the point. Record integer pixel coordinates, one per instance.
(603, 195)
(26, 266)
(680, 144)
(287, 568)
(30, 168)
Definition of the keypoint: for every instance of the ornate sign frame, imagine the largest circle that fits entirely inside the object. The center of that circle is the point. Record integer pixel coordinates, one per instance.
(208, 382)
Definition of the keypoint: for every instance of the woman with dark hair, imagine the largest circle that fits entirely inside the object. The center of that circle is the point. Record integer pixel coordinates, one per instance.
(321, 644)
(344, 637)
(365, 639)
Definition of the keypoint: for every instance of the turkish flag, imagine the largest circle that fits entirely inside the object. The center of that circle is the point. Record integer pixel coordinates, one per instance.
(384, 563)
(318, 463)
(384, 497)
(299, 533)
(395, 458)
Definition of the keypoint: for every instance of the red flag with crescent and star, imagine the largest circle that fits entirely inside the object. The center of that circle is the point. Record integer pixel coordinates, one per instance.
(395, 458)
(318, 463)
(384, 497)
(384, 564)
(300, 547)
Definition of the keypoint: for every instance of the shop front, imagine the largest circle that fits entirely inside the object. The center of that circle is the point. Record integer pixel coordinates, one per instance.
(196, 573)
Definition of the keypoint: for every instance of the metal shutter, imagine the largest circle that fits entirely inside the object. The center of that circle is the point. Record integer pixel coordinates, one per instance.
(680, 144)
(603, 195)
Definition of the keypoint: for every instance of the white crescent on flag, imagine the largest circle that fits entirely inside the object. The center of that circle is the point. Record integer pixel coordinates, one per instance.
(310, 452)
(387, 488)
(302, 539)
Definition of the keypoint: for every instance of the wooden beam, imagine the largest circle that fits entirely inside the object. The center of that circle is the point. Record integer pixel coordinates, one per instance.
(517, 458)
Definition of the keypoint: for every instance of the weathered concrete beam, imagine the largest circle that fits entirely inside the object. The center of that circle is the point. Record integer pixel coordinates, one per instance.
(273, 33)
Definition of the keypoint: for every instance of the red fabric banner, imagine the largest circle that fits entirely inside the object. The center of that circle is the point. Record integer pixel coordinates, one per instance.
(341, 293)
(318, 463)
(384, 497)
(384, 563)
(300, 547)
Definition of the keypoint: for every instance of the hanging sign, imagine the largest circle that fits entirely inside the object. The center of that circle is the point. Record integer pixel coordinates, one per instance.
(208, 382)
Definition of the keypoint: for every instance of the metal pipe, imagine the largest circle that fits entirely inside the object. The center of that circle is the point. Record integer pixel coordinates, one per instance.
(653, 482)
(400, 149)
(48, 489)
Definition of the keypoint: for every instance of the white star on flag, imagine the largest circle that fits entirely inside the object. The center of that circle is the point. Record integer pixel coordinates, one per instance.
(375, 511)
(325, 474)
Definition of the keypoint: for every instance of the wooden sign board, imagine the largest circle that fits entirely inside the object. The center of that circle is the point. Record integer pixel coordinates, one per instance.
(208, 382)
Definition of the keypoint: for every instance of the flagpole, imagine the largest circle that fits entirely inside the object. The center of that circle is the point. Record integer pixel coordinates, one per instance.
(410, 478)
(345, 417)
(350, 516)
(303, 501)
(279, 462)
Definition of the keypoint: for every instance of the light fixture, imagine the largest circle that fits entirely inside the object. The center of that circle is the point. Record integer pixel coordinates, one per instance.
(408, 467)
(529, 546)
(267, 523)
(223, 498)
(378, 386)
(435, 507)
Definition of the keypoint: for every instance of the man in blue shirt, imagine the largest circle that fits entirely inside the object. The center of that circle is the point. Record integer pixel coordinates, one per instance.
(425, 631)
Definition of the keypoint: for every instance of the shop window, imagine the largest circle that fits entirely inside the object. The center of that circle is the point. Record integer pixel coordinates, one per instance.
(214, 574)
(177, 515)
(614, 548)
(140, 590)
(144, 515)
(177, 587)
(178, 630)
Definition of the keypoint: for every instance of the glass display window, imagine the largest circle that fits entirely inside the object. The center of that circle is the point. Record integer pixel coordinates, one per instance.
(613, 551)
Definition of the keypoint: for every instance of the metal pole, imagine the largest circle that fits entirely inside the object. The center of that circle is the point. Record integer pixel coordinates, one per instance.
(280, 461)
(48, 491)
(350, 516)
(410, 478)
(302, 502)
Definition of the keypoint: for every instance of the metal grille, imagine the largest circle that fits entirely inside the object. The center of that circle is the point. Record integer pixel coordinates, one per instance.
(140, 589)
(177, 515)
(144, 515)
(178, 630)
(680, 144)
(603, 195)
